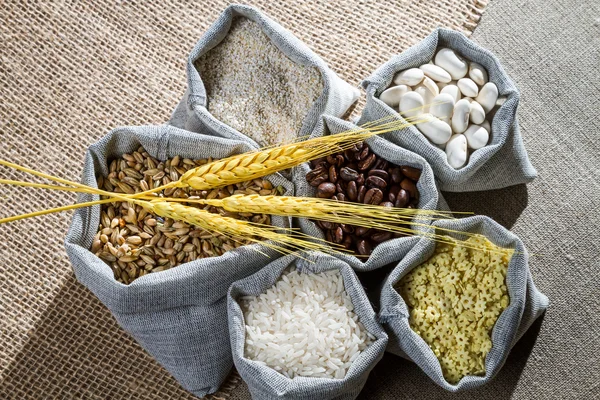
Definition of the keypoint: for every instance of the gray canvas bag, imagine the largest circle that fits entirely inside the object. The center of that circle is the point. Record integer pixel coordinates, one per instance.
(265, 383)
(526, 304)
(430, 198)
(192, 113)
(179, 315)
(503, 162)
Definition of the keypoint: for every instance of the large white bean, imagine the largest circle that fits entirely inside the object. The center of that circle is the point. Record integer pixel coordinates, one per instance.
(467, 87)
(456, 151)
(477, 136)
(411, 104)
(436, 73)
(442, 106)
(486, 125)
(426, 94)
(391, 96)
(410, 77)
(435, 130)
(453, 91)
(478, 74)
(460, 116)
(476, 113)
(450, 61)
(430, 84)
(487, 96)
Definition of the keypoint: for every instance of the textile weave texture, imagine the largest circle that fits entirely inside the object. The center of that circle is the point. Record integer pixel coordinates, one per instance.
(71, 71)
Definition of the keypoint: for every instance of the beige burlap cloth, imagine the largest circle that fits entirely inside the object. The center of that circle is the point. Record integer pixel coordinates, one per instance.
(70, 72)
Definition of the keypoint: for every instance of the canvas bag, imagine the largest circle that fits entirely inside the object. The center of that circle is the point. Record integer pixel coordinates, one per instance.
(192, 113)
(179, 315)
(503, 162)
(526, 304)
(430, 198)
(265, 383)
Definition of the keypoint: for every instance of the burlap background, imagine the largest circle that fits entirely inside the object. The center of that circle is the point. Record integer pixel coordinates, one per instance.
(71, 71)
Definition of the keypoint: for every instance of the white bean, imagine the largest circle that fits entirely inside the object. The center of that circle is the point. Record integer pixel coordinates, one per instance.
(391, 96)
(468, 87)
(410, 77)
(411, 104)
(456, 151)
(477, 136)
(476, 113)
(437, 131)
(442, 107)
(487, 96)
(460, 116)
(453, 91)
(450, 61)
(436, 73)
(478, 74)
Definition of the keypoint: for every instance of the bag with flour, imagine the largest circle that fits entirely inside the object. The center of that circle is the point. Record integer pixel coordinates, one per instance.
(250, 79)
(178, 315)
(503, 162)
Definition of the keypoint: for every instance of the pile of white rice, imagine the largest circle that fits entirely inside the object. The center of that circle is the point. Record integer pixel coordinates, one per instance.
(304, 326)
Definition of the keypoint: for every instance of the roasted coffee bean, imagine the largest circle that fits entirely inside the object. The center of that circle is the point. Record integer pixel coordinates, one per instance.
(361, 194)
(381, 236)
(348, 174)
(347, 243)
(360, 180)
(332, 160)
(373, 196)
(368, 162)
(325, 190)
(333, 176)
(380, 164)
(347, 228)
(393, 193)
(338, 235)
(339, 188)
(397, 175)
(340, 160)
(410, 172)
(362, 231)
(317, 176)
(380, 173)
(375, 181)
(364, 248)
(326, 224)
(341, 197)
(402, 198)
(351, 191)
(387, 204)
(364, 153)
(329, 236)
(350, 155)
(409, 186)
(317, 162)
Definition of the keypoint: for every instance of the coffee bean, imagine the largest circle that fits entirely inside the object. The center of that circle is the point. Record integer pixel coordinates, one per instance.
(381, 164)
(332, 160)
(397, 175)
(360, 180)
(364, 153)
(375, 181)
(348, 174)
(350, 155)
(339, 188)
(387, 204)
(347, 243)
(325, 190)
(341, 196)
(393, 193)
(351, 191)
(362, 231)
(338, 235)
(328, 236)
(326, 224)
(402, 198)
(317, 162)
(373, 196)
(364, 248)
(380, 173)
(409, 186)
(367, 162)
(381, 236)
(340, 160)
(333, 174)
(361, 194)
(317, 176)
(347, 228)
(410, 172)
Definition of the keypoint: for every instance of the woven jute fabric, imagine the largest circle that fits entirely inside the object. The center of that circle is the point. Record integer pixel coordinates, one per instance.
(70, 72)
